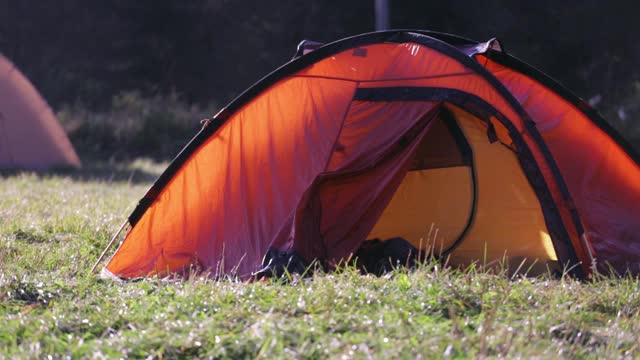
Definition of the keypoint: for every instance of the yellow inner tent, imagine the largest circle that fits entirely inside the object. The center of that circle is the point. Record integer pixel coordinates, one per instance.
(434, 205)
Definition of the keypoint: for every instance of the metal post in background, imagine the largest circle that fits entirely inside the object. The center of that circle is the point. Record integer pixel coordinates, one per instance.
(382, 15)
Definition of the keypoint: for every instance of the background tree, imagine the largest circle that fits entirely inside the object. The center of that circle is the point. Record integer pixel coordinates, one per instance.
(210, 50)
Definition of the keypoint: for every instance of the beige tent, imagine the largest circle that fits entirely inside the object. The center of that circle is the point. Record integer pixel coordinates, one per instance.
(30, 135)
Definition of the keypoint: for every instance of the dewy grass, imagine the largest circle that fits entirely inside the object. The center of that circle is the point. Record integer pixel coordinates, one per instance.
(53, 227)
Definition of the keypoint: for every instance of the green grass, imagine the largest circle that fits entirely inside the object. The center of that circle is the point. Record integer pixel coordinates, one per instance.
(52, 228)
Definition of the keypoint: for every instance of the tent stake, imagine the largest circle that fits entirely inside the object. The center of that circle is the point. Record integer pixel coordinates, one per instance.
(113, 239)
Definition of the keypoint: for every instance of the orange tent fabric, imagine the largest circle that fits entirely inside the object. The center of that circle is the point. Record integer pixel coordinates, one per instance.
(597, 170)
(30, 135)
(314, 158)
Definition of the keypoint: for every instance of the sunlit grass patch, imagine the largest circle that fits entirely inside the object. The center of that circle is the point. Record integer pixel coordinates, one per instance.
(53, 227)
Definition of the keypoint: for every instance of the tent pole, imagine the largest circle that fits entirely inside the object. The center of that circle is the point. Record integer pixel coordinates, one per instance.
(113, 239)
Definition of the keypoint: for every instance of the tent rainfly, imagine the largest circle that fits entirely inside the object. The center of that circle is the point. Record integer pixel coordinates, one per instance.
(30, 135)
(448, 143)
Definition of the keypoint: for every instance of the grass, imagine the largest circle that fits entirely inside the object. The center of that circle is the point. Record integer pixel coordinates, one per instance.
(53, 227)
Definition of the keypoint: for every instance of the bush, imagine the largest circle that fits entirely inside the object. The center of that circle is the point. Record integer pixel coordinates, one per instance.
(156, 127)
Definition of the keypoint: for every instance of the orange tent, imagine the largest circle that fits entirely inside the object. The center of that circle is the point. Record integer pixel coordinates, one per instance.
(30, 135)
(448, 143)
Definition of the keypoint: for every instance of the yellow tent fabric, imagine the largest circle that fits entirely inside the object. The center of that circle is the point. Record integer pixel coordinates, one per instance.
(432, 207)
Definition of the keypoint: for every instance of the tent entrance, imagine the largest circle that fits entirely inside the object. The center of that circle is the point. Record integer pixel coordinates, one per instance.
(468, 198)
(435, 203)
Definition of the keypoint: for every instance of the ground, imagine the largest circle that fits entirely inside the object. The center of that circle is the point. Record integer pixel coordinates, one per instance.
(53, 228)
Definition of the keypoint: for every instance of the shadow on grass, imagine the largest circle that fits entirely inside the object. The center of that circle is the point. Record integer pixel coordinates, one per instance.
(138, 171)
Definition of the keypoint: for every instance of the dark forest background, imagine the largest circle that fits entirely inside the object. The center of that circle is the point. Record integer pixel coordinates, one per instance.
(201, 53)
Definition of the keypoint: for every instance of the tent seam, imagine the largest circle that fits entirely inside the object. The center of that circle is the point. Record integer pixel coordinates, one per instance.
(344, 118)
(383, 80)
